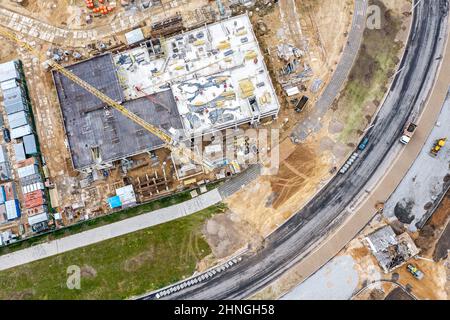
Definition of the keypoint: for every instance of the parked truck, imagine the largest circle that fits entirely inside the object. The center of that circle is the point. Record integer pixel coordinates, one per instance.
(301, 104)
(408, 133)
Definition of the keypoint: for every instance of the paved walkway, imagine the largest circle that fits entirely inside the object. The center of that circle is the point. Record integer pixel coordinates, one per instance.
(312, 123)
(109, 231)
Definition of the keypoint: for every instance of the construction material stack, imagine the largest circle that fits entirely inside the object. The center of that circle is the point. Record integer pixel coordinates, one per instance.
(102, 8)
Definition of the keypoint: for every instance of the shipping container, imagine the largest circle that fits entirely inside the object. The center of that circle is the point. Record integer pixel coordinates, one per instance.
(3, 154)
(32, 187)
(10, 190)
(38, 218)
(9, 70)
(114, 202)
(2, 195)
(126, 195)
(36, 210)
(31, 179)
(27, 162)
(19, 151)
(14, 100)
(29, 142)
(10, 84)
(18, 119)
(5, 171)
(21, 131)
(2, 213)
(34, 199)
(28, 171)
(134, 36)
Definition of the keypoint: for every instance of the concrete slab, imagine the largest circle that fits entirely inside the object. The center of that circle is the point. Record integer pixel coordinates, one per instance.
(337, 280)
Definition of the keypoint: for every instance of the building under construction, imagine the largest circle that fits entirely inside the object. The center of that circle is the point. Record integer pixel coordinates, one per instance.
(197, 82)
(99, 135)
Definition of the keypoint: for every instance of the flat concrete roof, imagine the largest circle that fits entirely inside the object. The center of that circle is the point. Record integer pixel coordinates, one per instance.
(89, 123)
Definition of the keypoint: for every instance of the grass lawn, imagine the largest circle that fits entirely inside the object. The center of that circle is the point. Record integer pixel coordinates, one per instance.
(370, 74)
(117, 268)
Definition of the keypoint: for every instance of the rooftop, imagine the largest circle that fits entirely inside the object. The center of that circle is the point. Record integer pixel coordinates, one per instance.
(8, 71)
(97, 133)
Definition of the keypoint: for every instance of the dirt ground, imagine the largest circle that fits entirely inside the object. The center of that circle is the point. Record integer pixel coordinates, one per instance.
(369, 79)
(7, 52)
(398, 294)
(226, 234)
(434, 237)
(327, 45)
(62, 13)
(304, 24)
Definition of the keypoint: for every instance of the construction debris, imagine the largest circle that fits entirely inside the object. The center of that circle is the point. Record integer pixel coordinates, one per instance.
(390, 250)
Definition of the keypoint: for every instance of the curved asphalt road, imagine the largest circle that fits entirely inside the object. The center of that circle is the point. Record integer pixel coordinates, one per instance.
(328, 208)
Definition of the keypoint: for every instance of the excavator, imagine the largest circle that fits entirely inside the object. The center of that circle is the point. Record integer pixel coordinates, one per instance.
(181, 152)
(438, 145)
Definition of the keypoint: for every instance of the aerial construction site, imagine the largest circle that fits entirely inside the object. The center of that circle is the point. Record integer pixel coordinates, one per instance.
(186, 74)
(224, 149)
(176, 88)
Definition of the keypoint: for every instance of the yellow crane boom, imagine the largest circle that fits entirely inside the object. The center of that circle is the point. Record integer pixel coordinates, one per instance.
(172, 144)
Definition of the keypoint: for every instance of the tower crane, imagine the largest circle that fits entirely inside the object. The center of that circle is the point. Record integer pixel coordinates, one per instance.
(175, 146)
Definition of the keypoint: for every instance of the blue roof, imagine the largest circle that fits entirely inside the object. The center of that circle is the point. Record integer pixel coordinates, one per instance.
(114, 202)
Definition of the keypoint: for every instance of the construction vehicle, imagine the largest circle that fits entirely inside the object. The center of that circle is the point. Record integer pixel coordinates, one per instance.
(414, 271)
(438, 145)
(408, 133)
(301, 104)
(181, 152)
